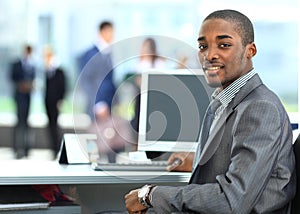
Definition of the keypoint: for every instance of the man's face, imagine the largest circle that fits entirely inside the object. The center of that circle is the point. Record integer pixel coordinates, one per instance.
(222, 54)
(108, 34)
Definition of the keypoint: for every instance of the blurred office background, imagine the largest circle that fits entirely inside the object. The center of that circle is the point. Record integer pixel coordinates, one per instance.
(70, 26)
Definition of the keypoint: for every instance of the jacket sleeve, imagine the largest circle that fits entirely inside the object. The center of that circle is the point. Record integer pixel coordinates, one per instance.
(261, 164)
(62, 83)
(15, 76)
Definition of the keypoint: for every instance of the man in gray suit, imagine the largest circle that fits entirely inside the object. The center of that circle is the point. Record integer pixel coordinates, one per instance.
(245, 162)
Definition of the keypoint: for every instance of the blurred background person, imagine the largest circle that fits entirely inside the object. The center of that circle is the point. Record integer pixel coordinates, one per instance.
(113, 132)
(23, 73)
(148, 59)
(55, 87)
(96, 69)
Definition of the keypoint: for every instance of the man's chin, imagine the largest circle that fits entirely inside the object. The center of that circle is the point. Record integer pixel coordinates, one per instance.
(214, 84)
(213, 81)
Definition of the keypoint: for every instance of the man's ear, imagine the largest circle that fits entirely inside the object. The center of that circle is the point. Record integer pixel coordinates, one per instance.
(251, 50)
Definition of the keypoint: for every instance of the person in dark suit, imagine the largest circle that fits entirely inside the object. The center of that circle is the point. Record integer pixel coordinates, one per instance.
(244, 162)
(22, 76)
(96, 70)
(54, 95)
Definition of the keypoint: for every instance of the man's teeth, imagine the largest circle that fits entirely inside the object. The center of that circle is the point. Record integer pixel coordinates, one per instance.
(213, 68)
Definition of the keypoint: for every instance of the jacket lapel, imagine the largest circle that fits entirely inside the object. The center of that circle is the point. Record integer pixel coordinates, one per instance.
(216, 134)
(213, 140)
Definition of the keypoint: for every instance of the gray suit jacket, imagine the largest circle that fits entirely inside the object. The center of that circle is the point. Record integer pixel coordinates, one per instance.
(247, 164)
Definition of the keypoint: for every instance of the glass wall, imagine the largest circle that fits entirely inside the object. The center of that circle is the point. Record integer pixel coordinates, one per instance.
(70, 26)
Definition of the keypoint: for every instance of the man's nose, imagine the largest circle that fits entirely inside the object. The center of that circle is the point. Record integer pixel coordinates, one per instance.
(211, 54)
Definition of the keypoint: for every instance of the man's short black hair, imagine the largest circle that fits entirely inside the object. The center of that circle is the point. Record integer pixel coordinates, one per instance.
(242, 23)
(28, 49)
(105, 24)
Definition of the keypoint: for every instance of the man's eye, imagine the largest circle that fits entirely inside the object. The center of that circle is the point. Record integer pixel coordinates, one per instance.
(224, 45)
(202, 47)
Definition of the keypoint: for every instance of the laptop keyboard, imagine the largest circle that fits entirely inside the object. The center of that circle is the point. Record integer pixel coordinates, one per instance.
(131, 166)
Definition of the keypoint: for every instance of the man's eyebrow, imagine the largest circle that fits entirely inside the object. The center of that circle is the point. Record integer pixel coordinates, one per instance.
(224, 37)
(201, 38)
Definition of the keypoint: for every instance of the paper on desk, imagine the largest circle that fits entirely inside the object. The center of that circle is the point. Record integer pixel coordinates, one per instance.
(138, 156)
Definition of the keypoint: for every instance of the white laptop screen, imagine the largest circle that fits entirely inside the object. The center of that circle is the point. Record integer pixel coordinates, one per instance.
(173, 104)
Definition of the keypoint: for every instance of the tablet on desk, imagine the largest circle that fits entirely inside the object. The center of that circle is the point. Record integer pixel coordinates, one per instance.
(75, 148)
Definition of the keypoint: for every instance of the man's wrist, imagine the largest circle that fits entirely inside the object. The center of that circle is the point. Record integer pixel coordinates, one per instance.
(143, 195)
(149, 196)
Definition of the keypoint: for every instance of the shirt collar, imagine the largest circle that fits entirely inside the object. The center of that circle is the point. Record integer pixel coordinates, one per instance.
(227, 94)
(103, 46)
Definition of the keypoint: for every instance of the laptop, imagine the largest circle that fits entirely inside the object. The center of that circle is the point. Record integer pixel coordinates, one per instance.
(173, 104)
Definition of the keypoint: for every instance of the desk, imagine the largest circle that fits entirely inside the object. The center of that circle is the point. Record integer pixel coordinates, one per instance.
(97, 191)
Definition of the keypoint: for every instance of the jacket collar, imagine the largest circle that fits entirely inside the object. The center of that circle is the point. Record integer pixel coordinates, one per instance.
(216, 134)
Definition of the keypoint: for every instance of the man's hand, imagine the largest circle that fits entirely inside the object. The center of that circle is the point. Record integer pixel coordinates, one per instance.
(183, 162)
(25, 86)
(132, 203)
